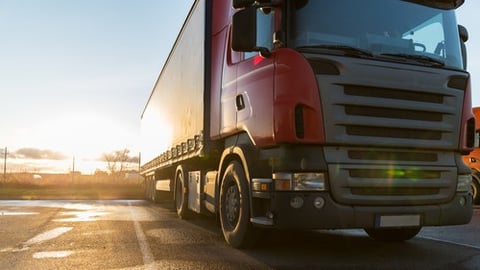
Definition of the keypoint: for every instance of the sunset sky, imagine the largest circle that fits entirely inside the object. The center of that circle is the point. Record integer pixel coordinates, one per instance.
(75, 75)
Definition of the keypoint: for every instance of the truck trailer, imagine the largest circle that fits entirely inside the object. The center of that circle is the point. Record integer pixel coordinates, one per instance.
(314, 114)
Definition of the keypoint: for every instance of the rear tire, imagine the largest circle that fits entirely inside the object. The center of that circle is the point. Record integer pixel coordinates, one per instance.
(235, 208)
(149, 190)
(181, 196)
(393, 234)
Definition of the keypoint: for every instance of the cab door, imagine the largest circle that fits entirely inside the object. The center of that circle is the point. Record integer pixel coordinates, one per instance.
(252, 100)
(228, 108)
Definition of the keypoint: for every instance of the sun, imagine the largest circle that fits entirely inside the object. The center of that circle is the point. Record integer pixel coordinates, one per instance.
(83, 135)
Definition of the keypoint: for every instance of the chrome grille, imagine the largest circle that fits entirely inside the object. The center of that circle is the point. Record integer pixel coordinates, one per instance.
(391, 131)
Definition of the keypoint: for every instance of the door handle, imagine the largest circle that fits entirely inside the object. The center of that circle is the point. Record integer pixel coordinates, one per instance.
(239, 102)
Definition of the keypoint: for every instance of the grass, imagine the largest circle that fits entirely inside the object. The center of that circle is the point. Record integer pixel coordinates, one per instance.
(63, 187)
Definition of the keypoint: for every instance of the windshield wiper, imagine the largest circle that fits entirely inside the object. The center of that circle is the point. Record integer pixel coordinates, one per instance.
(345, 49)
(419, 58)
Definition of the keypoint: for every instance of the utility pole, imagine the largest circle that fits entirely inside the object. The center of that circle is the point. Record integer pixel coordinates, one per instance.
(139, 161)
(73, 168)
(5, 166)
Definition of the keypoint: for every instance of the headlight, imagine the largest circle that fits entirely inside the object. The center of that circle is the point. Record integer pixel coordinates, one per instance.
(464, 182)
(308, 181)
(299, 181)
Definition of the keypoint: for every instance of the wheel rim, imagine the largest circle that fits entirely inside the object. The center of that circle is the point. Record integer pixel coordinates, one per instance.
(232, 205)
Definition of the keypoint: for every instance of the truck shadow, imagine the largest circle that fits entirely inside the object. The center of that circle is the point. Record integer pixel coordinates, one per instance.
(353, 249)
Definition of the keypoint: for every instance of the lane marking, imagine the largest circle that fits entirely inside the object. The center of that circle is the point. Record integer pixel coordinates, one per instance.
(47, 235)
(449, 242)
(52, 254)
(148, 259)
(8, 213)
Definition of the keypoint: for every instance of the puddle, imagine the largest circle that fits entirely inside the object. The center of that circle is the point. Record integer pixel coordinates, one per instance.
(80, 216)
(88, 210)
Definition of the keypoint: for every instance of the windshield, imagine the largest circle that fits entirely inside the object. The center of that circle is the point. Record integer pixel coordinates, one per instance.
(385, 28)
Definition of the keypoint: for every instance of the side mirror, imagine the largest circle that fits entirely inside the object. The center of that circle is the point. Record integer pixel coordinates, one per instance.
(462, 31)
(244, 30)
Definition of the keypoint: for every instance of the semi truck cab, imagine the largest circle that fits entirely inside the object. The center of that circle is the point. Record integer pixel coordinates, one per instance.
(315, 114)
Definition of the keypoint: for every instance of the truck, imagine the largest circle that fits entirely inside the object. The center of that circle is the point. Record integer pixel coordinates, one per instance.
(314, 114)
(473, 159)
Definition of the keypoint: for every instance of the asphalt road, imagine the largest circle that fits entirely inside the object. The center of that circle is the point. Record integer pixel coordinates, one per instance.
(141, 235)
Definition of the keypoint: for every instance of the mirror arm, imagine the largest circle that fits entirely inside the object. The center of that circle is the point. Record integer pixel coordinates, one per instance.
(265, 52)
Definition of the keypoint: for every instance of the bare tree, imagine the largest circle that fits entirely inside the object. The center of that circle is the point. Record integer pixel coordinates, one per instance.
(118, 161)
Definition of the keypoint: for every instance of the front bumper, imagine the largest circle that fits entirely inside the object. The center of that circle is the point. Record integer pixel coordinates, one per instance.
(336, 216)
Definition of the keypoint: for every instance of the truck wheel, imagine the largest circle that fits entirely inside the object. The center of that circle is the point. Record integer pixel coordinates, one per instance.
(393, 234)
(234, 208)
(476, 188)
(149, 190)
(181, 196)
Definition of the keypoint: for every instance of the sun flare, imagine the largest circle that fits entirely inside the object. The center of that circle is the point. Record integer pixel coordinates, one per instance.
(84, 135)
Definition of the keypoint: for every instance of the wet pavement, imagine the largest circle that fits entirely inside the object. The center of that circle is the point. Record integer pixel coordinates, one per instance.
(135, 234)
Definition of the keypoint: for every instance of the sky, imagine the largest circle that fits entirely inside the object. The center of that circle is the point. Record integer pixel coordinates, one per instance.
(75, 75)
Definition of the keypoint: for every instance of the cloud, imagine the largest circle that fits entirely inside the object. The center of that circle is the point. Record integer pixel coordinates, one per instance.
(34, 153)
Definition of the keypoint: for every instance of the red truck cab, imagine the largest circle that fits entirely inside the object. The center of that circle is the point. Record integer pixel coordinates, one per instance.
(315, 114)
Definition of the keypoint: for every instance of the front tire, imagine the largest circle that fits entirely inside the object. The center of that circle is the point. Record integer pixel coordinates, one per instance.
(393, 234)
(235, 208)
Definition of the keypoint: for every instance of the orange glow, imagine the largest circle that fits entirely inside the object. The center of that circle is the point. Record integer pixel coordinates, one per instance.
(282, 184)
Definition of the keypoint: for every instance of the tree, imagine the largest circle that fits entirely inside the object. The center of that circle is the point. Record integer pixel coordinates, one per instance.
(118, 161)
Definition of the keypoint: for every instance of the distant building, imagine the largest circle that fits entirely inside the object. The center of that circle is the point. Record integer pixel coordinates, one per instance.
(133, 176)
